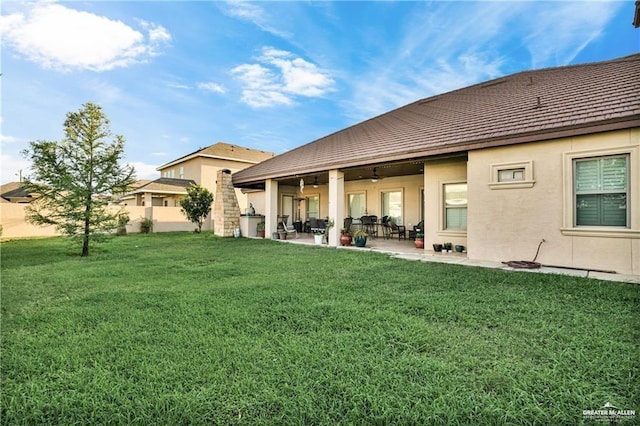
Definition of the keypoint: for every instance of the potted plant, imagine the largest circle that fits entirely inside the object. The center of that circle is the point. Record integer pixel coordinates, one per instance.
(419, 241)
(345, 237)
(260, 229)
(437, 247)
(447, 246)
(459, 249)
(359, 238)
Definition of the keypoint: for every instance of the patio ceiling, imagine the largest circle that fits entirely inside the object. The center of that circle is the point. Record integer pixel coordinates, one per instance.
(382, 170)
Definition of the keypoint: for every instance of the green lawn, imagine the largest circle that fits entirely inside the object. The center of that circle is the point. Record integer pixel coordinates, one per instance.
(193, 329)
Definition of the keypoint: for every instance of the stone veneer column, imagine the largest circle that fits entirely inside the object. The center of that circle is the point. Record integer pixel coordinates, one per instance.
(226, 210)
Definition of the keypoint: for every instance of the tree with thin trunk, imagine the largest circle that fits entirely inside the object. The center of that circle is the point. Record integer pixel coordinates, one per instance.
(196, 205)
(74, 180)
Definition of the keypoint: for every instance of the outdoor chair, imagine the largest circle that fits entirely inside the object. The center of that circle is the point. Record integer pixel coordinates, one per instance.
(317, 225)
(417, 229)
(370, 225)
(313, 224)
(290, 229)
(394, 229)
(385, 227)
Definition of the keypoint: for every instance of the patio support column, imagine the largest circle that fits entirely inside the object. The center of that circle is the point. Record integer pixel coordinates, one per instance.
(336, 205)
(424, 207)
(271, 207)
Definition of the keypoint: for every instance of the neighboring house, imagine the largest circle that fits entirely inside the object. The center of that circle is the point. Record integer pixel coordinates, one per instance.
(13, 192)
(202, 166)
(550, 154)
(162, 192)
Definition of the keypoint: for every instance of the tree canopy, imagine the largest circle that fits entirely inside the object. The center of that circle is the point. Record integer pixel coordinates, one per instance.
(76, 178)
(196, 205)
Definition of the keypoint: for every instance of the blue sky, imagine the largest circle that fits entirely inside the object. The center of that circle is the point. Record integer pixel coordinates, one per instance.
(176, 76)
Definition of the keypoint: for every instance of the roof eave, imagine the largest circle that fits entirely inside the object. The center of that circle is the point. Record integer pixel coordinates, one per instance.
(217, 157)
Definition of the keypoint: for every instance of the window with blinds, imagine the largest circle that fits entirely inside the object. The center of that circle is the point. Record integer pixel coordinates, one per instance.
(602, 191)
(455, 206)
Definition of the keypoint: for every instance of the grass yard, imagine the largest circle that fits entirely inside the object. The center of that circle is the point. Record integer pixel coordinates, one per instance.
(193, 329)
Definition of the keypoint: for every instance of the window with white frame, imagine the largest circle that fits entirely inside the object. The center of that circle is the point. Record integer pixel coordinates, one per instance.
(455, 206)
(356, 204)
(392, 206)
(601, 191)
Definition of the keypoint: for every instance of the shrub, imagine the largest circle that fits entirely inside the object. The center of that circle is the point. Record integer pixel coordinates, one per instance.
(146, 225)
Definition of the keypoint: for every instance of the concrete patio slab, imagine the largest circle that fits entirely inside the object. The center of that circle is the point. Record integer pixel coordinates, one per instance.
(406, 250)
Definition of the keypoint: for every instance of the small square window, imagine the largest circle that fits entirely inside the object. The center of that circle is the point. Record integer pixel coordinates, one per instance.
(512, 175)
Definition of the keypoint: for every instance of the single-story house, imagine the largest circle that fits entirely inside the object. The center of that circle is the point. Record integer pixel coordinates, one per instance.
(550, 154)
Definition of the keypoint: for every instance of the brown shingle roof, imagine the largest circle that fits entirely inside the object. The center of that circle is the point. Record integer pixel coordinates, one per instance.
(225, 151)
(523, 107)
(165, 185)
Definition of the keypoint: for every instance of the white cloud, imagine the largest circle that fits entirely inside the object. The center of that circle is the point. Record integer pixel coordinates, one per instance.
(144, 170)
(159, 154)
(279, 78)
(254, 14)
(562, 32)
(8, 139)
(157, 33)
(245, 10)
(429, 61)
(211, 87)
(61, 38)
(178, 86)
(300, 77)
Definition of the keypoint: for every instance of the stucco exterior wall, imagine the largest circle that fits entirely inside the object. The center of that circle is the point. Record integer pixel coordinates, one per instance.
(165, 219)
(509, 223)
(436, 174)
(14, 224)
(190, 170)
